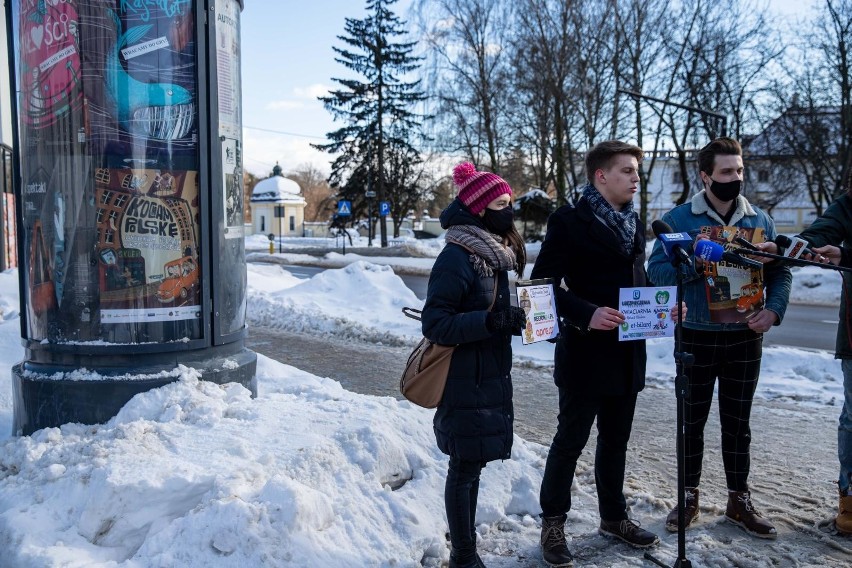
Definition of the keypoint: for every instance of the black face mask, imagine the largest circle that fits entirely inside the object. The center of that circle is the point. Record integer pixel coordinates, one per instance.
(499, 221)
(726, 191)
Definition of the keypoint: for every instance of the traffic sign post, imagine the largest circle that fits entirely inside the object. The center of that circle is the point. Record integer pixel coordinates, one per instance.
(279, 214)
(344, 209)
(370, 194)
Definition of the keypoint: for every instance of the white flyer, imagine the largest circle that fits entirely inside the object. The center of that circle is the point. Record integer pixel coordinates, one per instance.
(537, 299)
(647, 312)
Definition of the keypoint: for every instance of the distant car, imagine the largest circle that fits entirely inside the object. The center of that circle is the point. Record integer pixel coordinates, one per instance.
(181, 277)
(750, 296)
(418, 234)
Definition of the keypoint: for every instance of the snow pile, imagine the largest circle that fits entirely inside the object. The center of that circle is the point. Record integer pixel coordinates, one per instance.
(361, 301)
(196, 474)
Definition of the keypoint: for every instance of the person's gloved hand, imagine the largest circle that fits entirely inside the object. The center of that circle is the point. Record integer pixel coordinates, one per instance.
(512, 319)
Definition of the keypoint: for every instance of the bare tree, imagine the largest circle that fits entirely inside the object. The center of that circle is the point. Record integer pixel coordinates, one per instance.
(543, 55)
(721, 52)
(642, 29)
(468, 75)
(320, 198)
(813, 131)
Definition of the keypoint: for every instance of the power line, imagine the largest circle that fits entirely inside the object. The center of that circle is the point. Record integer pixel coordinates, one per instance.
(284, 133)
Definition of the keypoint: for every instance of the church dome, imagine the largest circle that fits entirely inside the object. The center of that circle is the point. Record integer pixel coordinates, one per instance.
(277, 189)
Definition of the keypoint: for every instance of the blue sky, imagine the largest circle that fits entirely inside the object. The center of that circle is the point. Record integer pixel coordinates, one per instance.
(288, 61)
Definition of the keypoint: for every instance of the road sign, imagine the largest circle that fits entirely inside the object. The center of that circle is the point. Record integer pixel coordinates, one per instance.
(370, 194)
(344, 208)
(384, 208)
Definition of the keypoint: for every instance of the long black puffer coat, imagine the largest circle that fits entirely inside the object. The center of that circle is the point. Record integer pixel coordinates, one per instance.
(474, 419)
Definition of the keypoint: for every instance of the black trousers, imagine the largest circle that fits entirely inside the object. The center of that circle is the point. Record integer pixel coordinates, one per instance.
(732, 358)
(577, 413)
(460, 493)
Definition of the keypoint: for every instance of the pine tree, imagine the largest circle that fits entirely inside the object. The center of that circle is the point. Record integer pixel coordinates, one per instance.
(376, 143)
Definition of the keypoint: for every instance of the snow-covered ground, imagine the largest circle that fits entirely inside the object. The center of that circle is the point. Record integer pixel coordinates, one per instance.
(308, 474)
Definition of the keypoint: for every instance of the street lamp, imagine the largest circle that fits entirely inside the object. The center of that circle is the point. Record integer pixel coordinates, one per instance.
(722, 117)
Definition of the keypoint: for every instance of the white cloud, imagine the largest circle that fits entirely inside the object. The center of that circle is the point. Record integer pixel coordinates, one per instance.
(284, 105)
(311, 91)
(263, 150)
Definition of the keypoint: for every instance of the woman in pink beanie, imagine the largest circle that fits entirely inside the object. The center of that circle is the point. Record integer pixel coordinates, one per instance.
(467, 305)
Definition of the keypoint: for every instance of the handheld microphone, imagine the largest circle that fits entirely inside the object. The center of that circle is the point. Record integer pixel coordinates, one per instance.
(745, 243)
(675, 245)
(793, 248)
(708, 251)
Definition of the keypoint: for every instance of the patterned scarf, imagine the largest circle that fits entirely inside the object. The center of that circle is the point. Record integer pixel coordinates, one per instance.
(622, 222)
(488, 253)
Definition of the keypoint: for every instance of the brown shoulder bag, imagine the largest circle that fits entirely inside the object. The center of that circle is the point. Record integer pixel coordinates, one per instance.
(425, 374)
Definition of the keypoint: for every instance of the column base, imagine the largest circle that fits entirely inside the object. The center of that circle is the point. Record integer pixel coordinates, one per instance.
(44, 398)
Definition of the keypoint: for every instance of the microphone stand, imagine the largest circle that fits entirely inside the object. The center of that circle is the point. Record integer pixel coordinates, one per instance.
(683, 363)
(794, 261)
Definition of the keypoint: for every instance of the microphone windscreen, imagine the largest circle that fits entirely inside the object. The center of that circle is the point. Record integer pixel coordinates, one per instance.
(782, 241)
(708, 251)
(660, 227)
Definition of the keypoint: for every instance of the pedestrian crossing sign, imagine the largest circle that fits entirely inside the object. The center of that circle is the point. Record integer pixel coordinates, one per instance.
(344, 208)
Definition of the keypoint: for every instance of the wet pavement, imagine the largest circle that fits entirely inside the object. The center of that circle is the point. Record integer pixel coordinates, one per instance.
(375, 369)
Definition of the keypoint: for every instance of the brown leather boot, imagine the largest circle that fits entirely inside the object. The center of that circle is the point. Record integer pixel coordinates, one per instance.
(741, 512)
(690, 511)
(554, 549)
(843, 521)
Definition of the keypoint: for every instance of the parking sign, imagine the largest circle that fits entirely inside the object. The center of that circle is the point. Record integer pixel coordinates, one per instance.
(384, 208)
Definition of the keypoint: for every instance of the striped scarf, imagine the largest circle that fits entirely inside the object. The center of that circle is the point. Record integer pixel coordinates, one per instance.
(623, 222)
(487, 252)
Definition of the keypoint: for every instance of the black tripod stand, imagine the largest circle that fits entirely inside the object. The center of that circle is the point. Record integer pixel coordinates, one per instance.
(683, 362)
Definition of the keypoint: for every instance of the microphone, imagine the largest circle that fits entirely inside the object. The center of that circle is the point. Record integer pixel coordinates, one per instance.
(675, 245)
(708, 251)
(745, 243)
(793, 248)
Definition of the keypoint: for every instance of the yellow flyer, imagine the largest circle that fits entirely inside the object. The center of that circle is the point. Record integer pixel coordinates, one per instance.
(537, 299)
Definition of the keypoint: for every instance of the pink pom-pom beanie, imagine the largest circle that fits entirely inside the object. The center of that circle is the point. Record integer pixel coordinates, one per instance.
(478, 189)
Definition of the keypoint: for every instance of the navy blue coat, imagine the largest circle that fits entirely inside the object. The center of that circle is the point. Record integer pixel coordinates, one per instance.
(474, 419)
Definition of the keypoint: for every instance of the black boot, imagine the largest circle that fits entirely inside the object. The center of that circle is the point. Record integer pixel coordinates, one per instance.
(456, 561)
(554, 549)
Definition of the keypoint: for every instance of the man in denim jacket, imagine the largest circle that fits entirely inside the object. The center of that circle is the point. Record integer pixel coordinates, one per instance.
(727, 346)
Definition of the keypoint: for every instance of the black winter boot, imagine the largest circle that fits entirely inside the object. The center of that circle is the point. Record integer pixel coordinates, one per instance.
(475, 562)
(554, 549)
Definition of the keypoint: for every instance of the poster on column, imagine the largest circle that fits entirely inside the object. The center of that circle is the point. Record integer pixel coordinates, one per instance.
(232, 184)
(144, 135)
(147, 245)
(228, 68)
(54, 166)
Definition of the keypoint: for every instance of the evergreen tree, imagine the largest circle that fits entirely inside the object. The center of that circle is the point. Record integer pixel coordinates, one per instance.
(375, 146)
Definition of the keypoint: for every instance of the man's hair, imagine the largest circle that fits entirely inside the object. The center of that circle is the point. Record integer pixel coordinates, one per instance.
(600, 156)
(707, 155)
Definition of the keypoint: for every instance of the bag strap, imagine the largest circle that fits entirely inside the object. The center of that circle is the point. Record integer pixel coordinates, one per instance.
(416, 314)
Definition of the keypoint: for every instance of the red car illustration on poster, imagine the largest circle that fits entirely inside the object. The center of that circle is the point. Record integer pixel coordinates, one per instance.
(181, 277)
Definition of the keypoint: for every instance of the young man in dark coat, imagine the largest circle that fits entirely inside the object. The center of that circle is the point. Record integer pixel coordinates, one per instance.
(591, 250)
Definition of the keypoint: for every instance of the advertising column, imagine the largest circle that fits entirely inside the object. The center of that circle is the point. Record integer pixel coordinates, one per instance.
(119, 185)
